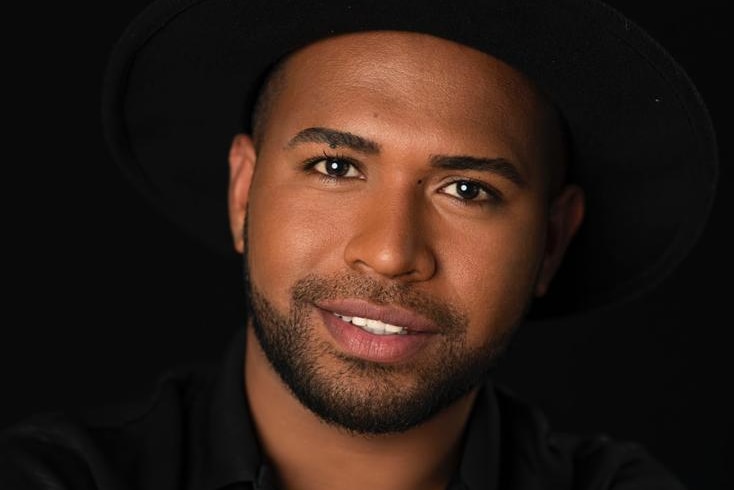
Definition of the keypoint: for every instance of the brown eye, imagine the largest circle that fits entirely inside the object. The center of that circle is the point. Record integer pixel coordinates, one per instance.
(467, 190)
(336, 167)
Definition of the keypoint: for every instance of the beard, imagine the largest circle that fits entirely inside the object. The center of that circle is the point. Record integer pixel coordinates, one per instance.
(356, 395)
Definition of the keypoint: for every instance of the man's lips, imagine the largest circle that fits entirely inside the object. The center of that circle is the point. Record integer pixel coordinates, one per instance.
(393, 315)
(375, 338)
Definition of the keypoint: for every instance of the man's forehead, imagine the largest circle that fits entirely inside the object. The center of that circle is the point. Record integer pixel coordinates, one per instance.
(401, 51)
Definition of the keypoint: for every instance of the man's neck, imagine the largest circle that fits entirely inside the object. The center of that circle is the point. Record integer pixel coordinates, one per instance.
(306, 453)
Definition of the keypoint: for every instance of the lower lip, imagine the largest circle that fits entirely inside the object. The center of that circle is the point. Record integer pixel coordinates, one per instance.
(378, 348)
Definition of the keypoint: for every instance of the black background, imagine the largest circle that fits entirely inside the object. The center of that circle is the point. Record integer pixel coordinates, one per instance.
(102, 294)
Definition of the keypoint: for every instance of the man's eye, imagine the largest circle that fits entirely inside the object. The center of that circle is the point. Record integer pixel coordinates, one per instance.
(467, 190)
(335, 167)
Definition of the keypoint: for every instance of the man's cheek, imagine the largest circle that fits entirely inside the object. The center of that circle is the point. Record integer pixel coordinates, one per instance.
(289, 241)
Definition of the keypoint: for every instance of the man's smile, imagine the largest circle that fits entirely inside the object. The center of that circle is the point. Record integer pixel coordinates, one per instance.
(364, 343)
(379, 319)
(377, 333)
(373, 326)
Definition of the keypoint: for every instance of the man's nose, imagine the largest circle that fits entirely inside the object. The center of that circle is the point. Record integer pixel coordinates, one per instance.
(393, 240)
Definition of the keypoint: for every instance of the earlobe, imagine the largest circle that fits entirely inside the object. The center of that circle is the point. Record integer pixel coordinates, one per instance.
(565, 217)
(242, 157)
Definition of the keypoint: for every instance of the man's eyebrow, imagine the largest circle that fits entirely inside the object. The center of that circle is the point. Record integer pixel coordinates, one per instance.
(335, 139)
(499, 166)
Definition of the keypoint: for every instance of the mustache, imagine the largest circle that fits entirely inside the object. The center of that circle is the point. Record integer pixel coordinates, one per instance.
(348, 285)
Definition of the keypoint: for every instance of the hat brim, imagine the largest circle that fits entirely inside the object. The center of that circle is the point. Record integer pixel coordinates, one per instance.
(182, 79)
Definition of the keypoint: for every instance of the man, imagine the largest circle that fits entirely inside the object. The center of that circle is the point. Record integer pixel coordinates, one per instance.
(404, 196)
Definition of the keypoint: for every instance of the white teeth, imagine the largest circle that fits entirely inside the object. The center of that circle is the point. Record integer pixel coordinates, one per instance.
(392, 328)
(373, 326)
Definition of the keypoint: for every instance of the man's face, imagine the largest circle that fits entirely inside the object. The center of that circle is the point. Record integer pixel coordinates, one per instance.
(396, 224)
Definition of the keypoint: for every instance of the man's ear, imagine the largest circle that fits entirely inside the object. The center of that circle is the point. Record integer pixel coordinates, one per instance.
(565, 216)
(242, 158)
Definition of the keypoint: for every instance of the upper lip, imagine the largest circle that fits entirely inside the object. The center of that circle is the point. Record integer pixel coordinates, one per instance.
(393, 315)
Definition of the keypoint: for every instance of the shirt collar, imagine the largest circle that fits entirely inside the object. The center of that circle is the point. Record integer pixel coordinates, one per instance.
(231, 451)
(480, 459)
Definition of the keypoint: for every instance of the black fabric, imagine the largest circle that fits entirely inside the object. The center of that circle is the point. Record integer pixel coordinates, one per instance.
(196, 434)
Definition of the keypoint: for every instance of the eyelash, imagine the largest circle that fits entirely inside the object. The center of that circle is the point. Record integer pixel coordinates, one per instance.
(494, 196)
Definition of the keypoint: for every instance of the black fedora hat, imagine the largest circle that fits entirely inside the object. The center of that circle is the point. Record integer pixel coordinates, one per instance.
(182, 79)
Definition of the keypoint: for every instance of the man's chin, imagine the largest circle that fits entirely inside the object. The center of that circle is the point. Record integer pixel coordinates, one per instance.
(364, 400)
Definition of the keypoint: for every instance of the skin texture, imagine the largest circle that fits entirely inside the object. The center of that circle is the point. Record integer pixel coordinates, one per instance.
(467, 248)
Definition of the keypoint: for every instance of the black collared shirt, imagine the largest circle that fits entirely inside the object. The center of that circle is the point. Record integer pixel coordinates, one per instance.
(196, 434)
